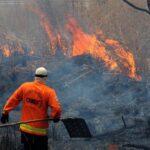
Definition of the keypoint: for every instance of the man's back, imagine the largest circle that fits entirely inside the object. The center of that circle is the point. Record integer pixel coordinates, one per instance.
(36, 98)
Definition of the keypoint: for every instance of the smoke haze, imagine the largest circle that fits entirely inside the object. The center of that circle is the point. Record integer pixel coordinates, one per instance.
(34, 33)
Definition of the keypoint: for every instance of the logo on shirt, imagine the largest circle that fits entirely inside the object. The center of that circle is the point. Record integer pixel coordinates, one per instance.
(33, 101)
(34, 98)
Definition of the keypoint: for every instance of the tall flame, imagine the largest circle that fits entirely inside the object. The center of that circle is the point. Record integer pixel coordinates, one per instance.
(61, 43)
(46, 25)
(84, 43)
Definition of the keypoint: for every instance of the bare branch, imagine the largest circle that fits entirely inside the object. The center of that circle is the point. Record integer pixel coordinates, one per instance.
(138, 8)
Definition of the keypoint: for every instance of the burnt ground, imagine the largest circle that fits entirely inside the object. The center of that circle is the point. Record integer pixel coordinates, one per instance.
(85, 87)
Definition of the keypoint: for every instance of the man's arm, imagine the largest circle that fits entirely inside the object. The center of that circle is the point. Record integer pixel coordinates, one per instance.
(13, 101)
(55, 106)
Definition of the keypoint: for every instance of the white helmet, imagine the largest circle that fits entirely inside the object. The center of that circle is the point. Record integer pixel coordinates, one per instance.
(41, 72)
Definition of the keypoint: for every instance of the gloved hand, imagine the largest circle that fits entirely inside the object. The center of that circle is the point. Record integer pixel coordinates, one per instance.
(56, 120)
(4, 118)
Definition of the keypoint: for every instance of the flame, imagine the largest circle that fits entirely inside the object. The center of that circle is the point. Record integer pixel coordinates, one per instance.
(61, 43)
(46, 25)
(84, 43)
(126, 58)
(6, 50)
(12, 45)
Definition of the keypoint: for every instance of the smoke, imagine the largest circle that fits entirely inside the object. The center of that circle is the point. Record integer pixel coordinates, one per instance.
(85, 87)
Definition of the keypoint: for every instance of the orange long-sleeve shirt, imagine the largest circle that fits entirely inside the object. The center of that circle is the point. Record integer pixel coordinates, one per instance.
(36, 97)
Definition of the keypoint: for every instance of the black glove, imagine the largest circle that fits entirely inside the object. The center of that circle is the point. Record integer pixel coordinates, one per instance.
(4, 118)
(56, 120)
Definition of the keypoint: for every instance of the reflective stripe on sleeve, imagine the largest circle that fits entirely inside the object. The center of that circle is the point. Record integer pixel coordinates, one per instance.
(33, 129)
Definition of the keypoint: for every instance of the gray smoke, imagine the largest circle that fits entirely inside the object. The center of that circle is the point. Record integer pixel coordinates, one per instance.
(85, 87)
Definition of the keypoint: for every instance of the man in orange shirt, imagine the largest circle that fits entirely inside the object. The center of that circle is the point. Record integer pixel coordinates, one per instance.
(36, 97)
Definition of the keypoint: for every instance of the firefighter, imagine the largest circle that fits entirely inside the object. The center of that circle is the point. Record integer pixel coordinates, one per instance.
(36, 97)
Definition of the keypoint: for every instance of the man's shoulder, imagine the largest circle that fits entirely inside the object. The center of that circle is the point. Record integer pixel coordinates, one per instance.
(50, 89)
(26, 84)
